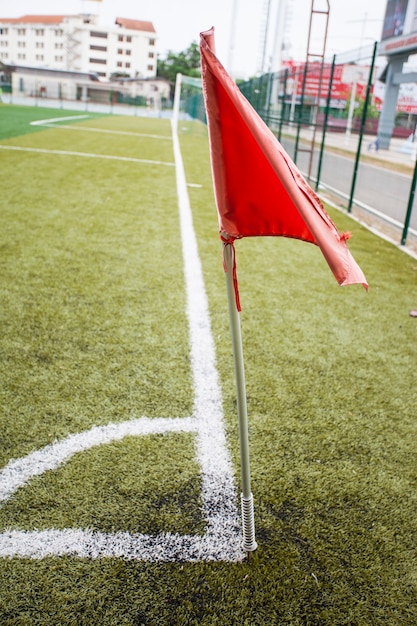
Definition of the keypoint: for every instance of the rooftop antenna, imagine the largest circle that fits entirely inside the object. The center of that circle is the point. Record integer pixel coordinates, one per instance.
(279, 36)
(232, 36)
(364, 21)
(264, 34)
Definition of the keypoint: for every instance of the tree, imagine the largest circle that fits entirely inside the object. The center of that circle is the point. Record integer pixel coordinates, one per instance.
(186, 62)
(371, 111)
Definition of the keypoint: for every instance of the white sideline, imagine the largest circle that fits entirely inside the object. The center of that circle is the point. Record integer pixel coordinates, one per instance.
(222, 538)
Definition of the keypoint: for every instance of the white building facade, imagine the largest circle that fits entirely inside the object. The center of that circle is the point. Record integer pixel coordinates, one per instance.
(79, 43)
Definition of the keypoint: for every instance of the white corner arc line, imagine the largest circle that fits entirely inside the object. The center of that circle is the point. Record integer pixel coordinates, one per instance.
(222, 538)
(19, 471)
(86, 154)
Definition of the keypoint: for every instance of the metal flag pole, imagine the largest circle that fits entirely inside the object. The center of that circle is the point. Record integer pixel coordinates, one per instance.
(248, 518)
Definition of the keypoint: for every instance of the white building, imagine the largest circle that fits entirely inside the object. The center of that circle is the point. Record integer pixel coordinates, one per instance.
(79, 43)
(41, 82)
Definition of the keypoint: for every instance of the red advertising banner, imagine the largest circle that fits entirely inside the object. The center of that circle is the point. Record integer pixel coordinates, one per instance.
(343, 78)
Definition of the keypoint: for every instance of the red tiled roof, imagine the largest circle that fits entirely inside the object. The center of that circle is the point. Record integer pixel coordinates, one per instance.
(34, 19)
(135, 24)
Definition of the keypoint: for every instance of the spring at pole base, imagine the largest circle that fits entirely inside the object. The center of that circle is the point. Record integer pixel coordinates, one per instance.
(248, 522)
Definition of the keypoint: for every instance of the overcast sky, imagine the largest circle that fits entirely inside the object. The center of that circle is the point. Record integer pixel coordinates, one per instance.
(178, 22)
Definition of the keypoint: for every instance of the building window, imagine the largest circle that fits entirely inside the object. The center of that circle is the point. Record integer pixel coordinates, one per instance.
(102, 61)
(150, 68)
(39, 31)
(4, 55)
(128, 39)
(3, 43)
(120, 38)
(59, 59)
(59, 46)
(59, 32)
(95, 33)
(151, 42)
(151, 55)
(21, 31)
(100, 48)
(127, 65)
(119, 64)
(128, 52)
(21, 57)
(39, 57)
(39, 44)
(21, 44)
(119, 51)
(3, 31)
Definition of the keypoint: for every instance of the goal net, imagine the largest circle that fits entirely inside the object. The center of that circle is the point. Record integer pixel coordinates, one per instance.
(188, 99)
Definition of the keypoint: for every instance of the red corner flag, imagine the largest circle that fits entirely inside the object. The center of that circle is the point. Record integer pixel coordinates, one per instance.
(258, 189)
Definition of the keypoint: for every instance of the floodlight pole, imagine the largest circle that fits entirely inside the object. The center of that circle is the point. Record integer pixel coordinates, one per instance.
(248, 518)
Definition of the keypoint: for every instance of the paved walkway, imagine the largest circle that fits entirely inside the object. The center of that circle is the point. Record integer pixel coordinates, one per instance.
(401, 151)
(401, 154)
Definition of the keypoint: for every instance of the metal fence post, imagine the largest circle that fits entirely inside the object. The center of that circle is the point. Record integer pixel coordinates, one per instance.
(300, 112)
(362, 127)
(326, 117)
(409, 206)
(283, 105)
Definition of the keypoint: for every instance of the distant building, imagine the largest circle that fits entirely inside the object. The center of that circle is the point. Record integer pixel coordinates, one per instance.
(398, 43)
(41, 82)
(78, 43)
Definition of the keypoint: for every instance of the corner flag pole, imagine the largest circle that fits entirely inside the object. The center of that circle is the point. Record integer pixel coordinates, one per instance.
(248, 519)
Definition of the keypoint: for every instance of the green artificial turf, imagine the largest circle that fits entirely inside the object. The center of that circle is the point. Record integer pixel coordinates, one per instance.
(88, 238)
(93, 330)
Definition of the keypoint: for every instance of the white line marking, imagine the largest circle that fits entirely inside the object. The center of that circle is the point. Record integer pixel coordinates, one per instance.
(167, 547)
(222, 539)
(51, 123)
(219, 492)
(108, 131)
(87, 155)
(58, 119)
